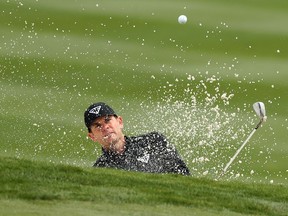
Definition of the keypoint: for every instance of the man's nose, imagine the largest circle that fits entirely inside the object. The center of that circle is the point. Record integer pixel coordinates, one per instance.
(105, 127)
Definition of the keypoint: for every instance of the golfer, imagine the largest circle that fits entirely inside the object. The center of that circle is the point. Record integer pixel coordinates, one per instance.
(145, 153)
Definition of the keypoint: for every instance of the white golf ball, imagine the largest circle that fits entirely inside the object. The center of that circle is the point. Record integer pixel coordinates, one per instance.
(182, 19)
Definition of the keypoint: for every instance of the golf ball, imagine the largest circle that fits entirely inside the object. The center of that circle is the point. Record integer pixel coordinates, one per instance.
(182, 19)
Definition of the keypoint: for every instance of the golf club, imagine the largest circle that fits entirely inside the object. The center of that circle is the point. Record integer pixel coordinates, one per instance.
(259, 108)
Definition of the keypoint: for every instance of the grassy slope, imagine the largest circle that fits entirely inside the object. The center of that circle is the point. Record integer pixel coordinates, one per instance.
(35, 187)
(58, 56)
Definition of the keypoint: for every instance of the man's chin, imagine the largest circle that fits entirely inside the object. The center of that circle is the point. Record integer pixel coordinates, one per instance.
(110, 140)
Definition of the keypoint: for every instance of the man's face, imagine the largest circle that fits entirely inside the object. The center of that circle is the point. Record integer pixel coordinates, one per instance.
(107, 130)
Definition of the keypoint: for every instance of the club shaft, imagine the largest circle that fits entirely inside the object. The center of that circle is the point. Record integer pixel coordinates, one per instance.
(242, 146)
(239, 150)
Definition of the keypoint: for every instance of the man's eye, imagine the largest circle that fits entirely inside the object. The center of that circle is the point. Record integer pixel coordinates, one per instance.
(98, 126)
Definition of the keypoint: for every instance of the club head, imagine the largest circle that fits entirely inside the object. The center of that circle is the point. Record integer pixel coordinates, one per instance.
(259, 108)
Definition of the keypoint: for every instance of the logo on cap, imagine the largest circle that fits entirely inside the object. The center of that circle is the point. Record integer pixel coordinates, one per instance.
(95, 110)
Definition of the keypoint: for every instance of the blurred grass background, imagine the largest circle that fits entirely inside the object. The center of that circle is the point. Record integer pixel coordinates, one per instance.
(57, 57)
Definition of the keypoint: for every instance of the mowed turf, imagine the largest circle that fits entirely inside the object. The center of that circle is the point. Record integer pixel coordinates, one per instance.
(43, 189)
(57, 57)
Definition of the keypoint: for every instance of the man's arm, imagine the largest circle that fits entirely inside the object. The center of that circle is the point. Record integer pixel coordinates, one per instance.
(169, 156)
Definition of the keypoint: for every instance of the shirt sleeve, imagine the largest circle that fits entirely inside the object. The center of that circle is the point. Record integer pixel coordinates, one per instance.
(100, 162)
(169, 156)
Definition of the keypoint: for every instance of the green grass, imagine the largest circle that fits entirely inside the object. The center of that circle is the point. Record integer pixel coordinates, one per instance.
(37, 186)
(57, 57)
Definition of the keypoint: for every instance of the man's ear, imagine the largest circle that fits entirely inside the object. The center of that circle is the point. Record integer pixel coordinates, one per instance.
(120, 120)
(91, 136)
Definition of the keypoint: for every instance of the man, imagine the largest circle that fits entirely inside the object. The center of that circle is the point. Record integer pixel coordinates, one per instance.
(146, 153)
